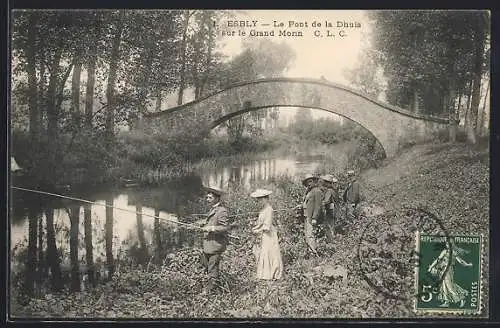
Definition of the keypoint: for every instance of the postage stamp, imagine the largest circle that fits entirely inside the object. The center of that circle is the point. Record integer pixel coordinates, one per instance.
(448, 277)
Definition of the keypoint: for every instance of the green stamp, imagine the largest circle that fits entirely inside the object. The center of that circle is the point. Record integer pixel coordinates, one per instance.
(448, 275)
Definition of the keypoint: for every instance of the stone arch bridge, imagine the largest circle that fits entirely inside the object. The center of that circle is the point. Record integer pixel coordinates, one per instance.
(391, 126)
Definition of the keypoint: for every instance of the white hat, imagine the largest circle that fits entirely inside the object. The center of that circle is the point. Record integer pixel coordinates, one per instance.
(260, 193)
(307, 177)
(350, 172)
(328, 178)
(214, 190)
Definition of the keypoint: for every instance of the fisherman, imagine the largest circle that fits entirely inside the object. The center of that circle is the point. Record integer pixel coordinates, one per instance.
(351, 196)
(311, 209)
(215, 237)
(330, 202)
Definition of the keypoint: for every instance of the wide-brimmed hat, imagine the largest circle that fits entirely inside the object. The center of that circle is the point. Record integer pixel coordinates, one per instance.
(307, 177)
(350, 172)
(328, 178)
(260, 193)
(214, 190)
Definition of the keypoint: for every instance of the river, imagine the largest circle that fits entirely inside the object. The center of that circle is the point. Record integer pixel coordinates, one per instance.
(132, 233)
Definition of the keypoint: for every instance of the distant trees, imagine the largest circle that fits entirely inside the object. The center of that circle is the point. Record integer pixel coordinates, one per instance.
(78, 75)
(435, 62)
(259, 59)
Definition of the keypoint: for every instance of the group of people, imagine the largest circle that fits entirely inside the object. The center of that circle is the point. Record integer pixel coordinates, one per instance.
(321, 206)
(325, 202)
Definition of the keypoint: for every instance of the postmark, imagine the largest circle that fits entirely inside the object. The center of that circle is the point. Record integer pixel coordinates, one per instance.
(387, 251)
(448, 277)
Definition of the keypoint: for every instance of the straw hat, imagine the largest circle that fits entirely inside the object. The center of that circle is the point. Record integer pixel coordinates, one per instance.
(214, 190)
(307, 177)
(260, 193)
(328, 178)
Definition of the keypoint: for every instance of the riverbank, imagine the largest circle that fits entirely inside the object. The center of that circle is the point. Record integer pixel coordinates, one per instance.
(87, 161)
(439, 176)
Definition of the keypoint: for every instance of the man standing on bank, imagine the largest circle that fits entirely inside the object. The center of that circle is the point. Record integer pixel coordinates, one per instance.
(351, 196)
(311, 209)
(215, 236)
(329, 203)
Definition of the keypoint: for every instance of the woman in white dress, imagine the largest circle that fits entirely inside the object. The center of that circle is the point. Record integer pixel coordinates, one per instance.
(269, 262)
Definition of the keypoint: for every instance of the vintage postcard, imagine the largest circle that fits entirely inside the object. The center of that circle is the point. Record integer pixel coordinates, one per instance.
(255, 164)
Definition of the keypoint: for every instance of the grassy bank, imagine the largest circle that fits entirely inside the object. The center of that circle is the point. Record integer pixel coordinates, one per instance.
(436, 176)
(87, 160)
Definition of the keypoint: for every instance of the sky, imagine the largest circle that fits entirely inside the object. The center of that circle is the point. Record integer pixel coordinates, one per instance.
(315, 56)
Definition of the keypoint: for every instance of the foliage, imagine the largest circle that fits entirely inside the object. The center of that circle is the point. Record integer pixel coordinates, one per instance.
(426, 61)
(422, 175)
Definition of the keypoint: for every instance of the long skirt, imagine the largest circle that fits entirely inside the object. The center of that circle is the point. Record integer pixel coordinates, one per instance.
(269, 262)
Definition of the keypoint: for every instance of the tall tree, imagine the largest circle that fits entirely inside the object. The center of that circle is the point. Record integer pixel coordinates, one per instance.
(183, 58)
(113, 67)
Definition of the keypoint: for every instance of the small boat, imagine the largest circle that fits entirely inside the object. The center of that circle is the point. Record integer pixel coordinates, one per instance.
(129, 183)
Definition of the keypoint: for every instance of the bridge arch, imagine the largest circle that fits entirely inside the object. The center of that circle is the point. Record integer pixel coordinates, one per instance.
(390, 125)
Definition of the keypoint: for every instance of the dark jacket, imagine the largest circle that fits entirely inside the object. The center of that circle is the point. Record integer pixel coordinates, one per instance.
(313, 203)
(329, 198)
(352, 194)
(216, 241)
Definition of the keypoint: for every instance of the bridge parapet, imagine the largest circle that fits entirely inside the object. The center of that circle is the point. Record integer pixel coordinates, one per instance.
(392, 126)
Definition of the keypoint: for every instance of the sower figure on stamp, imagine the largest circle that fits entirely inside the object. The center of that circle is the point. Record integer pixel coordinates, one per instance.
(449, 290)
(329, 203)
(215, 237)
(351, 196)
(312, 209)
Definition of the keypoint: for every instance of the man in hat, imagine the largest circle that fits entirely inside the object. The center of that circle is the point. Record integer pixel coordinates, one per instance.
(351, 196)
(311, 209)
(329, 203)
(215, 236)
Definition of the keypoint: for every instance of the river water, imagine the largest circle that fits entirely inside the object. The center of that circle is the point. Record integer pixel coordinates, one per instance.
(131, 233)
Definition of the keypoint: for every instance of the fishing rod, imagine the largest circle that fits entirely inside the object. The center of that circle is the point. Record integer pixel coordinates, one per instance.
(246, 213)
(118, 208)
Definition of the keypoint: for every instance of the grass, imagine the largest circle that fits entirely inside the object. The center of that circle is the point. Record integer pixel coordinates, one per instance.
(418, 177)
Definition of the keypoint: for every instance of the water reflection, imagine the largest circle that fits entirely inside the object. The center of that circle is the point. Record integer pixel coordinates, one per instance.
(260, 170)
(61, 243)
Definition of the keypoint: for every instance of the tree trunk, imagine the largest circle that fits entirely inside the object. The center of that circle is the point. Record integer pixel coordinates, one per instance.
(481, 127)
(182, 74)
(194, 71)
(34, 115)
(42, 101)
(148, 55)
(89, 92)
(158, 100)
(52, 256)
(31, 263)
(476, 90)
(208, 62)
(109, 237)
(89, 252)
(52, 114)
(452, 118)
(110, 90)
(73, 247)
(75, 93)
